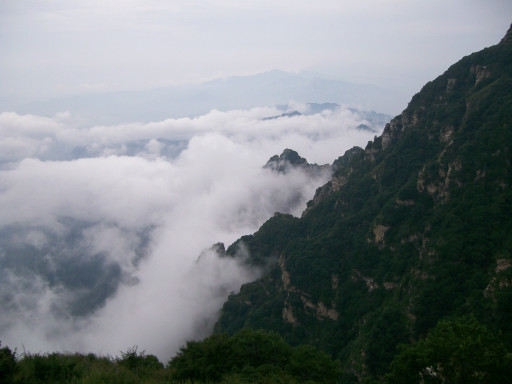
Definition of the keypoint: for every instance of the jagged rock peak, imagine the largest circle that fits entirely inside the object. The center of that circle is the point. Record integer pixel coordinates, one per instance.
(289, 158)
(219, 249)
(293, 157)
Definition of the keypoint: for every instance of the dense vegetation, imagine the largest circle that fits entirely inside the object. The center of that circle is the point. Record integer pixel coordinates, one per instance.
(458, 350)
(411, 231)
(247, 357)
(455, 351)
(252, 357)
(132, 367)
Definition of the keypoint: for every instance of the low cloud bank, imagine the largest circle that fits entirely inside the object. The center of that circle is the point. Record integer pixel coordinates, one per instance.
(102, 226)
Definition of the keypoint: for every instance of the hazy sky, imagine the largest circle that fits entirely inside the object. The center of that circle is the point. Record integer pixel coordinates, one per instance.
(72, 46)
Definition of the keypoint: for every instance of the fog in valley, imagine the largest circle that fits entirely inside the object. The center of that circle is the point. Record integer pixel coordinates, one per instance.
(134, 135)
(102, 226)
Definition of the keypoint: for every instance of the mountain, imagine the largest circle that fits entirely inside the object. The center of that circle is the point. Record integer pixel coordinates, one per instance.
(410, 231)
(290, 160)
(238, 92)
(375, 119)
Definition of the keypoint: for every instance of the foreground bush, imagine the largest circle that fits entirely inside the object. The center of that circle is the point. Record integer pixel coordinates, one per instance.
(58, 368)
(248, 357)
(252, 357)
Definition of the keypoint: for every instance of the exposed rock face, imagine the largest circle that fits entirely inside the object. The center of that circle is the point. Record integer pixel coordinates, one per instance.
(379, 231)
(503, 264)
(320, 309)
(285, 276)
(481, 72)
(501, 279)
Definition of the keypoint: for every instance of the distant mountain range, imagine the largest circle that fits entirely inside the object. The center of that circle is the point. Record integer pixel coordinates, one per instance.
(375, 119)
(239, 92)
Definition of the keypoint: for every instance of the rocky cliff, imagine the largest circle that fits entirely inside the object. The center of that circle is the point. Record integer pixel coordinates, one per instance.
(412, 229)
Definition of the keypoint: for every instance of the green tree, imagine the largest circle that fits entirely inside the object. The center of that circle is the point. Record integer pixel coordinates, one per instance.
(251, 356)
(138, 362)
(7, 364)
(309, 364)
(387, 332)
(203, 360)
(256, 348)
(459, 351)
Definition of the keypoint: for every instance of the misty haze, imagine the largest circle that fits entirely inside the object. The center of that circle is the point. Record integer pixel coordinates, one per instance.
(102, 226)
(140, 140)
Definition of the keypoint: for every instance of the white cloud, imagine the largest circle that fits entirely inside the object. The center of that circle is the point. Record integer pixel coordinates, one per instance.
(142, 220)
(23, 136)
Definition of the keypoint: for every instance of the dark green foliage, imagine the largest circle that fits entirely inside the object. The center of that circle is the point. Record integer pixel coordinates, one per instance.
(412, 230)
(131, 368)
(252, 356)
(138, 362)
(203, 360)
(308, 364)
(255, 348)
(504, 314)
(7, 365)
(267, 243)
(388, 330)
(54, 368)
(455, 351)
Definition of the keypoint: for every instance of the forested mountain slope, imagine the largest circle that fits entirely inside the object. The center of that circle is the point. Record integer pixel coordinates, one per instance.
(415, 228)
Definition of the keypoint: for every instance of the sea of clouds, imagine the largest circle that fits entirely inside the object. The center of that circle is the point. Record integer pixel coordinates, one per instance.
(101, 226)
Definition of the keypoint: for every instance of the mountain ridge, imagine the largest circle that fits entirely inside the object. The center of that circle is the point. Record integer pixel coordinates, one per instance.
(237, 92)
(409, 231)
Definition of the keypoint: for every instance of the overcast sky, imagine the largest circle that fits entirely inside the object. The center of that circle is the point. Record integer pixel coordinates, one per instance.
(61, 47)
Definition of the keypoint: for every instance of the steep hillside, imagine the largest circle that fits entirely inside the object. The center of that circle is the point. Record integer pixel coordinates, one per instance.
(411, 230)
